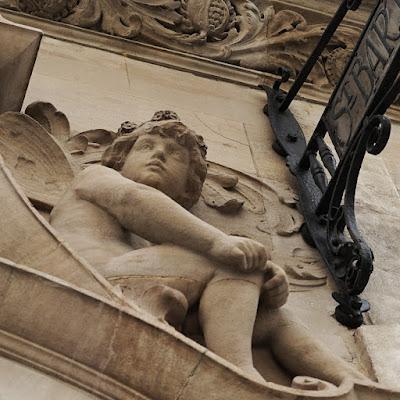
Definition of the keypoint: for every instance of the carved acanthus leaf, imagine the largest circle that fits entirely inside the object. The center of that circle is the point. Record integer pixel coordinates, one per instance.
(111, 17)
(84, 147)
(236, 31)
(303, 266)
(54, 121)
(53, 9)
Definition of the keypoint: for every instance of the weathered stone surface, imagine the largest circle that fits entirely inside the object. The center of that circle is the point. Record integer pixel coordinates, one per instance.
(228, 116)
(380, 345)
(391, 157)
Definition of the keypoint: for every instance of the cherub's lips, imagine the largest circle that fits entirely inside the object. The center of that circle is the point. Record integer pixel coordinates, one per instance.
(156, 163)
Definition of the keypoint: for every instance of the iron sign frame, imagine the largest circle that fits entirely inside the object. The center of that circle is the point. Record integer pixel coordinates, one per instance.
(328, 204)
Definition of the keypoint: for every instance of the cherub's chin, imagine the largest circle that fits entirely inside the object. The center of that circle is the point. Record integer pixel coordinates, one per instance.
(152, 179)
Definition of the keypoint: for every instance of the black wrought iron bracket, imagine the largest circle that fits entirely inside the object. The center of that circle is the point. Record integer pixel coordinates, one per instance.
(356, 125)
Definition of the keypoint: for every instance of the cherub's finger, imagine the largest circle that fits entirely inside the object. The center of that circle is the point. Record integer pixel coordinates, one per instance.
(276, 281)
(262, 258)
(268, 274)
(252, 257)
(276, 299)
(245, 263)
(275, 302)
(277, 291)
(271, 269)
(238, 259)
(275, 268)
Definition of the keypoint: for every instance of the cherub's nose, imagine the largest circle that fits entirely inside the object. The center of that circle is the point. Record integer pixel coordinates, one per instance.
(159, 153)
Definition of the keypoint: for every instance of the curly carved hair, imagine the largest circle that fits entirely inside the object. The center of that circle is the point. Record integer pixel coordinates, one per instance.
(115, 155)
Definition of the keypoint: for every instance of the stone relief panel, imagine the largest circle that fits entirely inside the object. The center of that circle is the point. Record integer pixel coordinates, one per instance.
(238, 204)
(234, 202)
(239, 32)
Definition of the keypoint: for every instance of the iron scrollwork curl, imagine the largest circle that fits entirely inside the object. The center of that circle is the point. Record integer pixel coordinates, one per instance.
(355, 257)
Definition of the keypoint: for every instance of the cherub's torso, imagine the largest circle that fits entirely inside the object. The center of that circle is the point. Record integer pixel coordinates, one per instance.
(91, 231)
(100, 239)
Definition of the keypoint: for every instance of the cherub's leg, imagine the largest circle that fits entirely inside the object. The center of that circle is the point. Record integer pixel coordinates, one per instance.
(228, 306)
(162, 280)
(227, 313)
(295, 348)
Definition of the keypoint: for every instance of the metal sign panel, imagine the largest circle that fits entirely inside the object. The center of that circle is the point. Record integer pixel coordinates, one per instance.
(373, 68)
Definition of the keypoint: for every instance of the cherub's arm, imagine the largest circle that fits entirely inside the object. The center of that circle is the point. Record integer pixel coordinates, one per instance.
(154, 216)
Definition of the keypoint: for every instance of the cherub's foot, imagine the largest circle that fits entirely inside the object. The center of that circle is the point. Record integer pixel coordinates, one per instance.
(308, 383)
(166, 304)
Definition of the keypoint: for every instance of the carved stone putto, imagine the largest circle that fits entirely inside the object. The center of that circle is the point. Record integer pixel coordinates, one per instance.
(240, 32)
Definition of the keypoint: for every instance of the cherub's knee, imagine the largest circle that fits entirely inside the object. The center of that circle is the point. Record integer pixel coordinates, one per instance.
(256, 278)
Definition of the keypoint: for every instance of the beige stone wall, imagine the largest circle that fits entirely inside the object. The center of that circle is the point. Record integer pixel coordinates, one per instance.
(97, 89)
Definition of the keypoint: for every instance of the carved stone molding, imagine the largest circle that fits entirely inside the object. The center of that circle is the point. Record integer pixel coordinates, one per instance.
(239, 32)
(119, 353)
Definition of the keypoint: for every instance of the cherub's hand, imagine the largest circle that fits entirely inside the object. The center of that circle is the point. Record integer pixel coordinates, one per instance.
(245, 255)
(275, 290)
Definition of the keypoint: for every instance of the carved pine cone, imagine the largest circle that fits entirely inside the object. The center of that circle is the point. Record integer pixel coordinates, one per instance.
(218, 15)
(50, 9)
(210, 16)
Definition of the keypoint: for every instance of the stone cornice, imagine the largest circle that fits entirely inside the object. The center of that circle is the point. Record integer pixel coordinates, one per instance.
(198, 65)
(275, 36)
(239, 32)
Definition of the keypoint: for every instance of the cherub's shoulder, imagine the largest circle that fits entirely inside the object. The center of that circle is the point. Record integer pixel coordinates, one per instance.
(96, 171)
(95, 175)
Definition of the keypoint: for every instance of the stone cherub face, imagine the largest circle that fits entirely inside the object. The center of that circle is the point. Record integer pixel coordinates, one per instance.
(162, 153)
(159, 162)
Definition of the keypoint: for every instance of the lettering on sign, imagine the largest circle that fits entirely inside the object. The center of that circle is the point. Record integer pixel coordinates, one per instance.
(376, 52)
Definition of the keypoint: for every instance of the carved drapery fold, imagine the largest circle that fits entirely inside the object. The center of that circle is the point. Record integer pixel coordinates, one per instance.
(234, 31)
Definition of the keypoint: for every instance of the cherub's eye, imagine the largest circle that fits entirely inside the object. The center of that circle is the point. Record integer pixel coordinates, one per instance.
(175, 151)
(172, 151)
(145, 146)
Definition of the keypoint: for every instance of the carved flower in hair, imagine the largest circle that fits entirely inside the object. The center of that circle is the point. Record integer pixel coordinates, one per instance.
(203, 147)
(50, 9)
(212, 18)
(126, 128)
(165, 115)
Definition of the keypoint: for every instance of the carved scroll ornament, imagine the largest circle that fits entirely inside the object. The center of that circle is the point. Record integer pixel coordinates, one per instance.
(234, 31)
